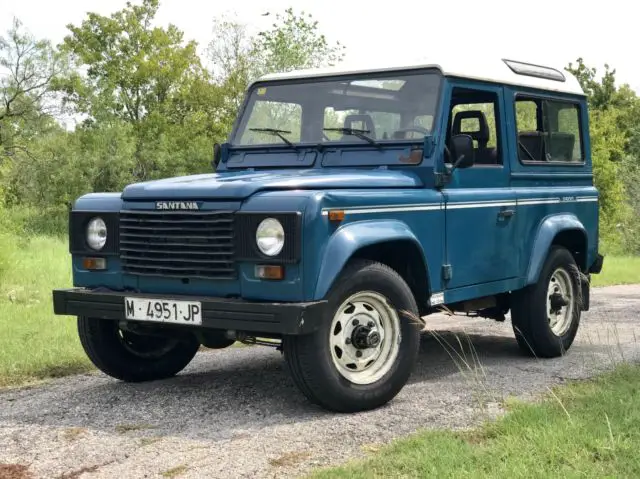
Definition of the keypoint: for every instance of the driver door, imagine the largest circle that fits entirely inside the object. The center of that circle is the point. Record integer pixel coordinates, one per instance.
(480, 206)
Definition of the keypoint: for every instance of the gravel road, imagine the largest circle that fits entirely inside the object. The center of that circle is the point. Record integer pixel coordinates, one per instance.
(235, 413)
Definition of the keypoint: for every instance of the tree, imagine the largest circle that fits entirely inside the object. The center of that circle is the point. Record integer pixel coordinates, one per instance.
(145, 76)
(132, 68)
(28, 71)
(600, 93)
(294, 41)
(233, 64)
(615, 146)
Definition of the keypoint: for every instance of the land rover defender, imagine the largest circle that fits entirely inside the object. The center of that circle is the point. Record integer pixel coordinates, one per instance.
(346, 205)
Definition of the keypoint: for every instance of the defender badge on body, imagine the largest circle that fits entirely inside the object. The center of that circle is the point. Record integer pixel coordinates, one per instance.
(177, 205)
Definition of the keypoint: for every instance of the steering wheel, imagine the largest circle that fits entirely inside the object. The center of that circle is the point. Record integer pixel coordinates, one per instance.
(415, 129)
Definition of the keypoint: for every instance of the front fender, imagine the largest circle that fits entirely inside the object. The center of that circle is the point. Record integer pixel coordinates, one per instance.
(550, 227)
(350, 238)
(99, 202)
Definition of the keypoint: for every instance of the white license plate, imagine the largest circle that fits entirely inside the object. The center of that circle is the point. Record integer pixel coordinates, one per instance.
(163, 311)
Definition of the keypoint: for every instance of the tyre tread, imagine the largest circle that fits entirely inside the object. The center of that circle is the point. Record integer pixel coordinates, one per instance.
(530, 328)
(301, 359)
(95, 340)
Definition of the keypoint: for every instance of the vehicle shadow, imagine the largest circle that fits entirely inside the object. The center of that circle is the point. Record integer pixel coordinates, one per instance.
(221, 392)
(443, 353)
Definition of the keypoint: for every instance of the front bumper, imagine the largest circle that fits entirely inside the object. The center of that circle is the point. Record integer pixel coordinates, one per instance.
(217, 313)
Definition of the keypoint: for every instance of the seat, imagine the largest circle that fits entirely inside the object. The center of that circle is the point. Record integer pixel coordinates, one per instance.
(531, 142)
(484, 155)
(561, 146)
(359, 122)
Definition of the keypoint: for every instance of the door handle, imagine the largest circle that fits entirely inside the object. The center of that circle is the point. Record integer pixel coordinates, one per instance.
(506, 213)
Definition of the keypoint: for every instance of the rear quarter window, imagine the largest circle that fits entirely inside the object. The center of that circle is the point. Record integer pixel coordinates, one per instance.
(548, 131)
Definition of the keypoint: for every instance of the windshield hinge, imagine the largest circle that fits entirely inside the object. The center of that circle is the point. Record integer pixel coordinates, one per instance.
(428, 146)
(440, 180)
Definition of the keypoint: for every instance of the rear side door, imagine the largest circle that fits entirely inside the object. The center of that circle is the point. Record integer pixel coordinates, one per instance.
(551, 173)
(480, 204)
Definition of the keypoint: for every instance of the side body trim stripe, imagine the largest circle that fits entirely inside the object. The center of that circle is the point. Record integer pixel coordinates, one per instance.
(454, 206)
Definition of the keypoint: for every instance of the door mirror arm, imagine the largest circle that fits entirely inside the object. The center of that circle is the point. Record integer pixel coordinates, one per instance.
(463, 152)
(217, 156)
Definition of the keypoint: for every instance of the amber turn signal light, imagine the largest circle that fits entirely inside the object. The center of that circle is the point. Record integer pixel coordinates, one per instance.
(94, 263)
(269, 272)
(336, 215)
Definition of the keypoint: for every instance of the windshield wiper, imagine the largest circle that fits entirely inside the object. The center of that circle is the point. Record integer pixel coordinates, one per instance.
(355, 132)
(274, 131)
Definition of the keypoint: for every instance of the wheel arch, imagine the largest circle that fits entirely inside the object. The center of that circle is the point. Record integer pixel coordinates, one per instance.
(558, 230)
(390, 242)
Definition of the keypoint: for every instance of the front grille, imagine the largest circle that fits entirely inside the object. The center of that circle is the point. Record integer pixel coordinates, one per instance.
(178, 244)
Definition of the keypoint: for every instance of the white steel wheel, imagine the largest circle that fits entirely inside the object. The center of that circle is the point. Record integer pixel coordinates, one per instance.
(365, 345)
(560, 301)
(364, 337)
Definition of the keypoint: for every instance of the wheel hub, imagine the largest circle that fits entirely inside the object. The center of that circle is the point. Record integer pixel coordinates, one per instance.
(557, 301)
(560, 299)
(364, 337)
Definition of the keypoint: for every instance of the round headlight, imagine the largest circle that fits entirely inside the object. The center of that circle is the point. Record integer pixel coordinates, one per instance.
(270, 237)
(96, 234)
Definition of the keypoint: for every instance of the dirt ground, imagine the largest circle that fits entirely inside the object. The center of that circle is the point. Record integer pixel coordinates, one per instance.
(236, 413)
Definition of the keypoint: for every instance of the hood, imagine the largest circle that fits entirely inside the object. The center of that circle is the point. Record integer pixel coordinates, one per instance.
(240, 185)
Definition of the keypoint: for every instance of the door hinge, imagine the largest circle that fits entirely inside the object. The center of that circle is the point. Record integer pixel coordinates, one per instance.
(447, 272)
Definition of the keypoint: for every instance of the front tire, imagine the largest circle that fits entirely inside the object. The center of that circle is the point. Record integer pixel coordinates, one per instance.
(132, 357)
(545, 316)
(363, 353)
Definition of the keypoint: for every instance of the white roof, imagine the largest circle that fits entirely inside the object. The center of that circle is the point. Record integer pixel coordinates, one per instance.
(485, 69)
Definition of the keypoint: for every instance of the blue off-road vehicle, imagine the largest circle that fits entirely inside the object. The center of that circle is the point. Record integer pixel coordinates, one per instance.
(346, 205)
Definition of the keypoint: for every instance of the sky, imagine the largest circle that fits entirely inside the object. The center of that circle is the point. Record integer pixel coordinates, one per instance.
(548, 32)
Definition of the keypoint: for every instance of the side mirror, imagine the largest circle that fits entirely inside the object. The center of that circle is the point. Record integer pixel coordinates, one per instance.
(462, 151)
(217, 154)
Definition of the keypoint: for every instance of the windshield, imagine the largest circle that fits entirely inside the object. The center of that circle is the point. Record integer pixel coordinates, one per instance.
(370, 108)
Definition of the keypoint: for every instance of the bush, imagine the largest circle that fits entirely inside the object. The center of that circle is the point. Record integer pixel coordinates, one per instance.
(7, 247)
(631, 228)
(24, 222)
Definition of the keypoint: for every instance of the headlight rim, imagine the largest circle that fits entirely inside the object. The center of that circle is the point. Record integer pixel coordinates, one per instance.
(279, 249)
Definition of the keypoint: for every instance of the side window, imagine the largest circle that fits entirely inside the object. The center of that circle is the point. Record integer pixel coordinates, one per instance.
(273, 114)
(548, 131)
(527, 115)
(475, 113)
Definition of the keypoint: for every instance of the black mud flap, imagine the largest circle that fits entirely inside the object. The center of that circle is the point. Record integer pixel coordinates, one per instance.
(596, 267)
(585, 286)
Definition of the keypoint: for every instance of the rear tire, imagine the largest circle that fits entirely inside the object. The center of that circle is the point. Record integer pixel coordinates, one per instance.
(133, 357)
(365, 348)
(543, 324)
(215, 340)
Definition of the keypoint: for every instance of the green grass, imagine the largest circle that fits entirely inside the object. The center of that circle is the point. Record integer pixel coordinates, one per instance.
(34, 343)
(587, 429)
(618, 270)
